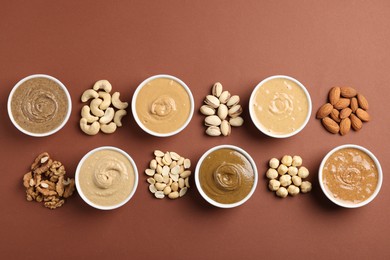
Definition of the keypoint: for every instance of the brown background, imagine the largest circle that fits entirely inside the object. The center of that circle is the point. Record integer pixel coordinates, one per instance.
(321, 43)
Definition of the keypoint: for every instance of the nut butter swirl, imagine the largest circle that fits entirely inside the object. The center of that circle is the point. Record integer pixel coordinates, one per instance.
(227, 177)
(281, 105)
(162, 107)
(39, 106)
(106, 175)
(350, 175)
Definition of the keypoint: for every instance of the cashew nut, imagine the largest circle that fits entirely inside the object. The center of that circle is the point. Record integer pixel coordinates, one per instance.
(95, 103)
(106, 100)
(88, 94)
(92, 129)
(116, 101)
(108, 116)
(85, 113)
(118, 117)
(108, 129)
(103, 84)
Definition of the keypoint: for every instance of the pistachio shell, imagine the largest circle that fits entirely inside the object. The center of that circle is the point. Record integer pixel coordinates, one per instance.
(225, 128)
(213, 131)
(233, 100)
(212, 121)
(207, 110)
(217, 89)
(222, 111)
(212, 101)
(224, 97)
(235, 111)
(236, 121)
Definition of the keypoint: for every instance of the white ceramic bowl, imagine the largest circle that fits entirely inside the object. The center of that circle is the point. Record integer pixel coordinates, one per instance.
(206, 197)
(256, 121)
(77, 181)
(341, 203)
(49, 132)
(134, 110)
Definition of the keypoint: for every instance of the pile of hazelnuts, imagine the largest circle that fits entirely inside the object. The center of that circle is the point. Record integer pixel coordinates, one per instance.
(286, 176)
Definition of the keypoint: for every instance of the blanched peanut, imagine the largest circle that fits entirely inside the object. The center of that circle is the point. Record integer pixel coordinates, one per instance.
(305, 187)
(273, 185)
(282, 192)
(272, 173)
(274, 163)
(303, 172)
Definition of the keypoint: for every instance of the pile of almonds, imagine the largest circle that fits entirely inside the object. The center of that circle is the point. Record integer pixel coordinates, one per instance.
(286, 176)
(169, 175)
(46, 182)
(222, 111)
(346, 109)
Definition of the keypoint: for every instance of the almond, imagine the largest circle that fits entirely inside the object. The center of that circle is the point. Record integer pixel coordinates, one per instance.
(324, 110)
(363, 115)
(354, 104)
(335, 115)
(342, 103)
(345, 112)
(363, 103)
(356, 123)
(345, 126)
(348, 92)
(334, 95)
(330, 125)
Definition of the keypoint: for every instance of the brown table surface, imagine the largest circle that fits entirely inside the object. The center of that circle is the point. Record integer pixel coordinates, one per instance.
(239, 43)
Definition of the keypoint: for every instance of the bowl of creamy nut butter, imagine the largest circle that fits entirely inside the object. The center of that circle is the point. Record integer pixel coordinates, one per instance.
(350, 176)
(39, 105)
(106, 178)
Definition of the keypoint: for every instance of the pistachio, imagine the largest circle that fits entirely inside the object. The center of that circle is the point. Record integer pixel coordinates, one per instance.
(212, 121)
(236, 121)
(224, 97)
(233, 100)
(235, 111)
(207, 110)
(212, 101)
(222, 111)
(213, 131)
(225, 128)
(217, 89)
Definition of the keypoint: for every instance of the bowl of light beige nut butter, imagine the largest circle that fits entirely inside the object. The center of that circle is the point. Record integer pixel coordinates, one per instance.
(106, 178)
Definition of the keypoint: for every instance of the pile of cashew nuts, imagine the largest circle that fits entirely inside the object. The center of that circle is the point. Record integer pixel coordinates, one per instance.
(99, 115)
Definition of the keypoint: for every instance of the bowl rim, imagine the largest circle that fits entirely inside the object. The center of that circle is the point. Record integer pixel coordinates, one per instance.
(134, 109)
(58, 82)
(247, 156)
(257, 123)
(338, 202)
(77, 174)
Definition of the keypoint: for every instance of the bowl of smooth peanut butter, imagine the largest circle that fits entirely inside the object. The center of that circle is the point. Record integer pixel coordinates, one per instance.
(162, 105)
(226, 176)
(280, 106)
(350, 176)
(39, 105)
(106, 178)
